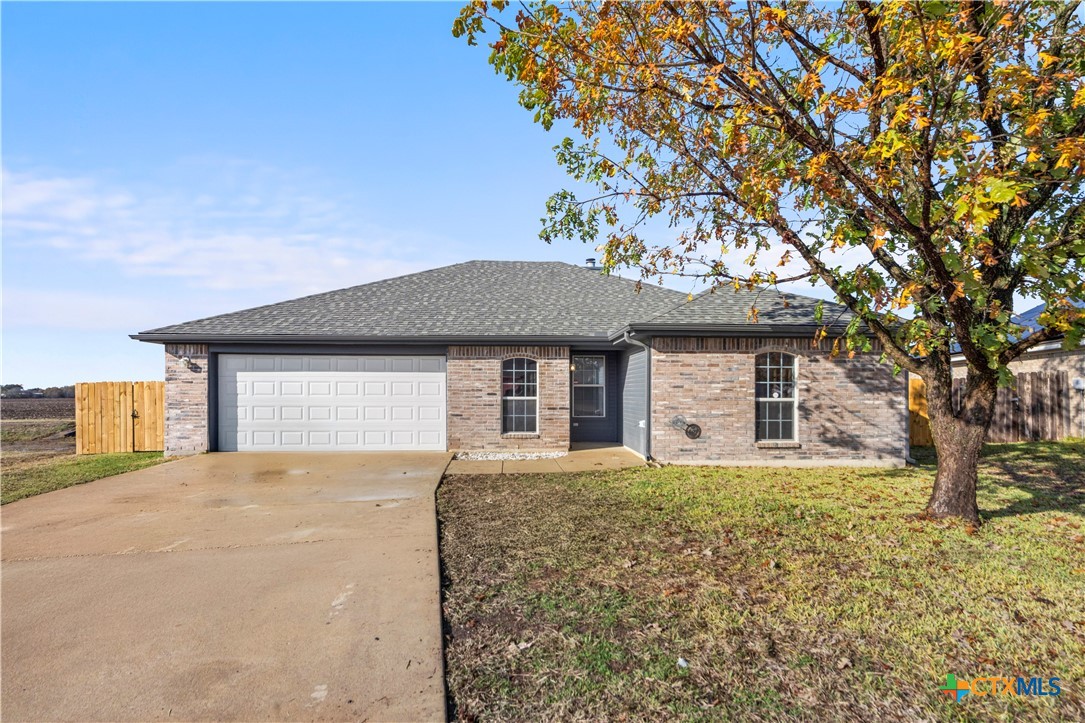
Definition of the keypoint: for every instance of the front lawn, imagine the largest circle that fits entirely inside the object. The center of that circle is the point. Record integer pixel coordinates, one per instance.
(763, 593)
(45, 475)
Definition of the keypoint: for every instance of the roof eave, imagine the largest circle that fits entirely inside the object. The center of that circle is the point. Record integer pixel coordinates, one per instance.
(758, 330)
(190, 338)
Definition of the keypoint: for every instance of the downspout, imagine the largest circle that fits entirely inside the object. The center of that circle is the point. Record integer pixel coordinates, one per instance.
(647, 393)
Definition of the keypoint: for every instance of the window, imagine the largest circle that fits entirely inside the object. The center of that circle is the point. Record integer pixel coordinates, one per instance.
(519, 396)
(589, 386)
(775, 397)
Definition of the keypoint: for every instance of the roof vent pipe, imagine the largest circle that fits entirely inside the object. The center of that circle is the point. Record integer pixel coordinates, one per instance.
(590, 263)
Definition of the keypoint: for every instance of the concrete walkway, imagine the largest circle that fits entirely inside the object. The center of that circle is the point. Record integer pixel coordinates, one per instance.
(228, 587)
(583, 459)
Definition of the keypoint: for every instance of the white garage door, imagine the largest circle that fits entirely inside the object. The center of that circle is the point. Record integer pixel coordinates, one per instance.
(298, 402)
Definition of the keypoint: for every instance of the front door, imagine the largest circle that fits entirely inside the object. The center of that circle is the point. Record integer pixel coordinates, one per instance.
(594, 397)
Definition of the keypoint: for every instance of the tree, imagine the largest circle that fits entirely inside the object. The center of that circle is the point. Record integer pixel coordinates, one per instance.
(942, 143)
(12, 391)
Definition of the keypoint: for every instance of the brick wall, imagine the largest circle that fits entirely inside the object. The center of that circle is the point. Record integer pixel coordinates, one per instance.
(186, 400)
(849, 411)
(474, 398)
(1055, 360)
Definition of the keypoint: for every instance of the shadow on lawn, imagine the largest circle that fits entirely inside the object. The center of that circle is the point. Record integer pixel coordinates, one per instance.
(1052, 474)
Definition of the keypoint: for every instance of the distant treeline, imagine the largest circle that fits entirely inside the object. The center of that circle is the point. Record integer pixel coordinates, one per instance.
(16, 391)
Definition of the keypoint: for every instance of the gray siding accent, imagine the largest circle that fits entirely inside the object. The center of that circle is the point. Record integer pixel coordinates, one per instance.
(634, 382)
(600, 429)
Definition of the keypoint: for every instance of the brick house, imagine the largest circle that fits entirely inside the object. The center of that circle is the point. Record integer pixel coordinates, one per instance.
(491, 355)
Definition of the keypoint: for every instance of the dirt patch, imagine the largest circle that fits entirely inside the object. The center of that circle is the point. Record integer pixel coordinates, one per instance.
(35, 431)
(37, 409)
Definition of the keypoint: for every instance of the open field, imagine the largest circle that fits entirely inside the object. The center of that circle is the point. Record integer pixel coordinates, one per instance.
(762, 594)
(37, 409)
(37, 450)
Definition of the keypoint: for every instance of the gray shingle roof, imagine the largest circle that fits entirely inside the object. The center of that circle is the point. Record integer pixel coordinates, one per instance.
(472, 299)
(726, 307)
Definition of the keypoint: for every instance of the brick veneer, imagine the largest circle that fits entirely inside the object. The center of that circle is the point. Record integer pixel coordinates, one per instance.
(186, 400)
(474, 398)
(849, 411)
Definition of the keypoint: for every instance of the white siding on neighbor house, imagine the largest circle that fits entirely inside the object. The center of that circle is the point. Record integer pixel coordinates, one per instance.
(333, 403)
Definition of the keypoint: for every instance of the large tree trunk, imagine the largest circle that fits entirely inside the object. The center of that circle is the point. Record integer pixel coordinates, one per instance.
(958, 439)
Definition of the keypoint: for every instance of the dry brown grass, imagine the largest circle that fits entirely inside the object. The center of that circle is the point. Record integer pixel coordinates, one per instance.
(790, 593)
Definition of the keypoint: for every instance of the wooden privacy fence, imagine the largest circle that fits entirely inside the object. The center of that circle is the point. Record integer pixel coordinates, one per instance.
(919, 427)
(1037, 408)
(119, 417)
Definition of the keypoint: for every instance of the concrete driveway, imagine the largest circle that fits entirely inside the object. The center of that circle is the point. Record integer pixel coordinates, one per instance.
(228, 586)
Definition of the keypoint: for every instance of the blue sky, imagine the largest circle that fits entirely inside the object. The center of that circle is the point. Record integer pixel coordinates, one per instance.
(164, 162)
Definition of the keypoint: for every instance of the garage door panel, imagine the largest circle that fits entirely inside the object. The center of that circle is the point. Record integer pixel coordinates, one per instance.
(320, 389)
(429, 437)
(402, 438)
(317, 402)
(375, 364)
(263, 414)
(321, 438)
(291, 364)
(292, 388)
(346, 438)
(264, 438)
(375, 438)
(234, 363)
(263, 389)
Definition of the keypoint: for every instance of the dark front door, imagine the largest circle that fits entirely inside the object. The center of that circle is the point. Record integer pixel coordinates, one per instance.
(594, 397)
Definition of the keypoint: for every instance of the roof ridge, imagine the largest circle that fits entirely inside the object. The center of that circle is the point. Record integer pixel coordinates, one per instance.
(712, 292)
(622, 278)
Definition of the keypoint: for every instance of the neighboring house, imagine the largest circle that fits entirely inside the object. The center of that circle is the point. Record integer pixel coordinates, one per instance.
(1048, 357)
(494, 355)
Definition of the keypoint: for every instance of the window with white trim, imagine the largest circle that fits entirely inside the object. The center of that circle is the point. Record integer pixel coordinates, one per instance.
(519, 396)
(589, 386)
(776, 397)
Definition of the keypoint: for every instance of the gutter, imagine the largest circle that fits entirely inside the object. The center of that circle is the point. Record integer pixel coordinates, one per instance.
(196, 338)
(628, 339)
(738, 330)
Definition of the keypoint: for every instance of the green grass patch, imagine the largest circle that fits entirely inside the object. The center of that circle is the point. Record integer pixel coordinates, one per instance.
(29, 430)
(789, 593)
(61, 472)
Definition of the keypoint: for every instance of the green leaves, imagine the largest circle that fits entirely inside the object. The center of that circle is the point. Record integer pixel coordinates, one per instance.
(928, 168)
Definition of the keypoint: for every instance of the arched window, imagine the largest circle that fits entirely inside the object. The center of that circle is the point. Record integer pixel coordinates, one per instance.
(519, 396)
(776, 397)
